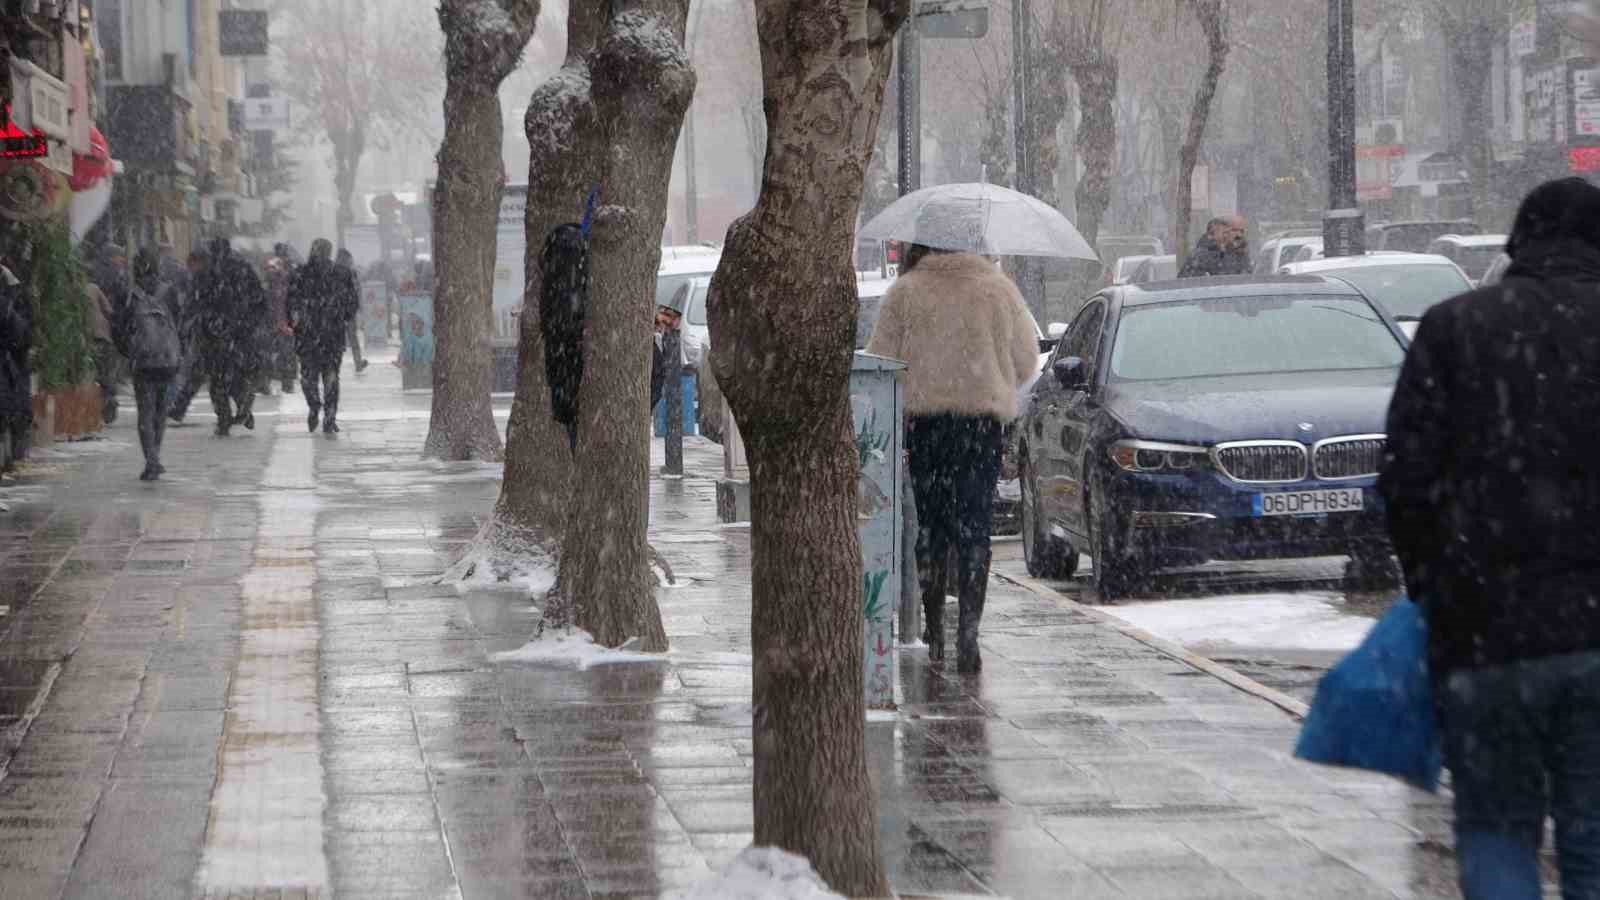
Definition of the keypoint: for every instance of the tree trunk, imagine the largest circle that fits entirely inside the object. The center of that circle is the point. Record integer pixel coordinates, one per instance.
(782, 329)
(466, 204)
(1097, 140)
(641, 86)
(566, 146)
(480, 51)
(347, 151)
(1471, 48)
(1210, 15)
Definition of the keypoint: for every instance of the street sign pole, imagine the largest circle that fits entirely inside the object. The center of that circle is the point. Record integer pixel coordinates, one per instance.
(1344, 225)
(909, 108)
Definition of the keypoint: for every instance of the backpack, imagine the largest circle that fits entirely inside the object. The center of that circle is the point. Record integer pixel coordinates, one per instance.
(562, 301)
(153, 341)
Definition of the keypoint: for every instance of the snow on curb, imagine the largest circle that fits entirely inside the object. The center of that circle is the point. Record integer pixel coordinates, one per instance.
(762, 873)
(574, 648)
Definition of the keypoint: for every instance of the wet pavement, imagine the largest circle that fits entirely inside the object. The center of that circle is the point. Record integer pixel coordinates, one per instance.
(246, 680)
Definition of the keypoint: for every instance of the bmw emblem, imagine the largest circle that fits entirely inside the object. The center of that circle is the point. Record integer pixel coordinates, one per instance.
(1307, 427)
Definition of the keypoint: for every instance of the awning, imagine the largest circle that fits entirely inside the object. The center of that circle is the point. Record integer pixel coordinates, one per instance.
(88, 169)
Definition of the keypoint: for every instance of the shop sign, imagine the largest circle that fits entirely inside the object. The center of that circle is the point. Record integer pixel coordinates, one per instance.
(42, 101)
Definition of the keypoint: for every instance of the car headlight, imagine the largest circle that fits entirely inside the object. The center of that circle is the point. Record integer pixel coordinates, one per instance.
(1156, 456)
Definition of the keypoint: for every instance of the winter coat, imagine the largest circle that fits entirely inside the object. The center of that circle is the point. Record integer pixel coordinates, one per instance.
(97, 313)
(230, 306)
(1208, 260)
(16, 339)
(323, 300)
(964, 333)
(563, 301)
(1491, 485)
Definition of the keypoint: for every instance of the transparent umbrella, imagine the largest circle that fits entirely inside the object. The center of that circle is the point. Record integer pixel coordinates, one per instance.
(980, 218)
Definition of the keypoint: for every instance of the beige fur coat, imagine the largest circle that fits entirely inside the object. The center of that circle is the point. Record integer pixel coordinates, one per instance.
(961, 326)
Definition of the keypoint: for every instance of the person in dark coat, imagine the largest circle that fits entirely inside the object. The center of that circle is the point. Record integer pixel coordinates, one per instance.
(16, 382)
(1492, 491)
(231, 305)
(191, 372)
(146, 334)
(322, 302)
(563, 300)
(347, 261)
(1222, 250)
(281, 361)
(668, 317)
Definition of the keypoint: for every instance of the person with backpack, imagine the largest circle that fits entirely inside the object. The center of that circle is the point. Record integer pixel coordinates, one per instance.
(146, 333)
(230, 307)
(322, 302)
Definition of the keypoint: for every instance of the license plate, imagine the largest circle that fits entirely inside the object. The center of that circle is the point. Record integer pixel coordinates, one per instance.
(1308, 503)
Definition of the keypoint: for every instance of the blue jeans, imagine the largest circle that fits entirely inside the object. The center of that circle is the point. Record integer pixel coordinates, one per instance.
(1522, 741)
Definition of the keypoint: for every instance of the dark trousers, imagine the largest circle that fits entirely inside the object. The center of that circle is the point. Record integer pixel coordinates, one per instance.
(352, 333)
(955, 463)
(319, 379)
(186, 382)
(1522, 742)
(152, 390)
(233, 393)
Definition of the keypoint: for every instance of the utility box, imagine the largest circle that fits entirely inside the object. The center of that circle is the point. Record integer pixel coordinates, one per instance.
(877, 406)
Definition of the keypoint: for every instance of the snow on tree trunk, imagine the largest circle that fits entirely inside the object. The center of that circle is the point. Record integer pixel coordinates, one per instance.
(783, 310)
(483, 43)
(566, 145)
(1213, 24)
(641, 85)
(1097, 140)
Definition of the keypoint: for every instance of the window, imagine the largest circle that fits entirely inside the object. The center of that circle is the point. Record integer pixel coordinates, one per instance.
(110, 27)
(1083, 338)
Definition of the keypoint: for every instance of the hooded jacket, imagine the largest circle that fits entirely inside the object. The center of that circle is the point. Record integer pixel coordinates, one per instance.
(1491, 485)
(964, 333)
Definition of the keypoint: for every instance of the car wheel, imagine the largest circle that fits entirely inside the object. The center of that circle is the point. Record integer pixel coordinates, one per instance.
(1047, 556)
(1113, 568)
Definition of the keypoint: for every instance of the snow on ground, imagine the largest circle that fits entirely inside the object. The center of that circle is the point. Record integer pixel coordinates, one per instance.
(501, 563)
(762, 873)
(69, 449)
(574, 648)
(1312, 620)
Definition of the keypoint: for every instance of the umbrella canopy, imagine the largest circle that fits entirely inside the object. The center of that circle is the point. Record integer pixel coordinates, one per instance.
(979, 218)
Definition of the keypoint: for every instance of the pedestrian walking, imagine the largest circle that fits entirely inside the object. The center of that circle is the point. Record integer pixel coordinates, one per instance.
(16, 379)
(282, 362)
(563, 303)
(322, 302)
(191, 374)
(146, 333)
(1222, 250)
(231, 306)
(353, 331)
(98, 313)
(1492, 495)
(947, 305)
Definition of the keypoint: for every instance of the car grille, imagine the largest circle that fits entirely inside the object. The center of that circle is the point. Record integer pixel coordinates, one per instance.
(1354, 457)
(1262, 462)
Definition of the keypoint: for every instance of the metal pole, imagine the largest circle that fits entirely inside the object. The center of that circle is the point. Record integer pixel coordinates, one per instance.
(1029, 276)
(691, 188)
(671, 348)
(909, 83)
(1343, 226)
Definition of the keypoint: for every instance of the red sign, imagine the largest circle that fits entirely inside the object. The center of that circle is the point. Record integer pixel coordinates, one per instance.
(1584, 159)
(1380, 151)
(18, 144)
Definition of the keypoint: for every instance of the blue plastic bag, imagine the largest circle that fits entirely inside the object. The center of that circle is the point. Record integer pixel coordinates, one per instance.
(1374, 709)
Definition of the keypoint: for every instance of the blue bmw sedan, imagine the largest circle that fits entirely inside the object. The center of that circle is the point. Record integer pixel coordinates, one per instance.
(1222, 418)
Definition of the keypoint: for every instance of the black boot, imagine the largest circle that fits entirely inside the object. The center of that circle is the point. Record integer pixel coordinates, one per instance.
(311, 419)
(931, 578)
(974, 588)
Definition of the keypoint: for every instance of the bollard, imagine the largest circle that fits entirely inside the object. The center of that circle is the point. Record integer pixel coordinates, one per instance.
(671, 348)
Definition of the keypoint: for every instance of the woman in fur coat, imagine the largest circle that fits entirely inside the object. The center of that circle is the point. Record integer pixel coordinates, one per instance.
(969, 343)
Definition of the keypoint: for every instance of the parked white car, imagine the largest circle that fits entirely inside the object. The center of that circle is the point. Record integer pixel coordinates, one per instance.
(1406, 285)
(1474, 253)
(1278, 251)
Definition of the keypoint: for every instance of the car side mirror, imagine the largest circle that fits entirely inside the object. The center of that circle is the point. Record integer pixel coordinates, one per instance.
(1069, 373)
(1056, 331)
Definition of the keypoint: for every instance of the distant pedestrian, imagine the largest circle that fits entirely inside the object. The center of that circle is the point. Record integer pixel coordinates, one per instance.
(961, 326)
(1492, 493)
(353, 330)
(98, 313)
(191, 372)
(668, 317)
(231, 305)
(563, 303)
(322, 302)
(281, 360)
(146, 333)
(1222, 250)
(16, 380)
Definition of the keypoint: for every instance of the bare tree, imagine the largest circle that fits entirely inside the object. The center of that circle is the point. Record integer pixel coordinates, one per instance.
(1085, 39)
(483, 43)
(1212, 15)
(782, 328)
(357, 67)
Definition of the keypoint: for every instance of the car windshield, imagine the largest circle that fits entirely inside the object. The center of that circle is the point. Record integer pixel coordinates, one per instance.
(1251, 336)
(667, 285)
(697, 305)
(1475, 261)
(1405, 291)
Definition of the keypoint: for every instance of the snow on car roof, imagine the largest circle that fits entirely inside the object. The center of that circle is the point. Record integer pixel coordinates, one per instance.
(692, 264)
(1475, 240)
(1318, 266)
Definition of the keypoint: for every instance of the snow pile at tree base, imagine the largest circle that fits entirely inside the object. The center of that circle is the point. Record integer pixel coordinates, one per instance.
(762, 873)
(497, 559)
(574, 648)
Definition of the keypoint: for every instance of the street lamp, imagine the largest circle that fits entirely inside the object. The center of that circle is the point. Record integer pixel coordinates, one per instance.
(1343, 225)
